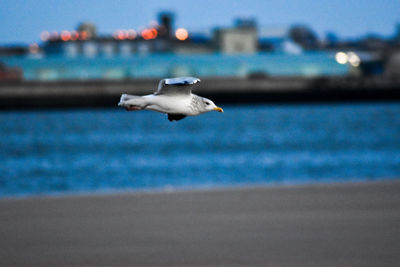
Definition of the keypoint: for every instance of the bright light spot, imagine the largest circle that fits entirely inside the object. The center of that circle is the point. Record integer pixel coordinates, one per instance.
(148, 34)
(34, 48)
(124, 34)
(45, 36)
(154, 33)
(132, 34)
(65, 36)
(341, 57)
(354, 59)
(121, 35)
(181, 34)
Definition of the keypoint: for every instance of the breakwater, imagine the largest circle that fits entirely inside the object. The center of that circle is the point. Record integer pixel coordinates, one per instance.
(102, 93)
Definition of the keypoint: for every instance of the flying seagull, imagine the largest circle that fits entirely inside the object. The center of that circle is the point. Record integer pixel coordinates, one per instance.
(173, 97)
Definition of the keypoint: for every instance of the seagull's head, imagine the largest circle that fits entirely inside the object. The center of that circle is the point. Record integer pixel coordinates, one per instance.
(208, 105)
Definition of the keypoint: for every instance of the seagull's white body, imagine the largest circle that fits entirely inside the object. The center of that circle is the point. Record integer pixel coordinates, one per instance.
(176, 104)
(173, 97)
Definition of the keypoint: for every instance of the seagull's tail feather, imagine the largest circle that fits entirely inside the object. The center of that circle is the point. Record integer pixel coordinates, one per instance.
(125, 98)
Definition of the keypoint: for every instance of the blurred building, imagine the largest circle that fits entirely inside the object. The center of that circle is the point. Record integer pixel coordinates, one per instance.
(304, 36)
(89, 28)
(244, 37)
(165, 29)
(85, 41)
(294, 50)
(277, 39)
(241, 39)
(161, 37)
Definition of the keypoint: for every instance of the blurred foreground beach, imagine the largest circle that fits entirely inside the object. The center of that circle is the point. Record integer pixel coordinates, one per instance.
(348, 224)
(301, 169)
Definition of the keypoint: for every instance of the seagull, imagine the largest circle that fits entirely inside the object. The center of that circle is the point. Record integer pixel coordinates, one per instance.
(173, 97)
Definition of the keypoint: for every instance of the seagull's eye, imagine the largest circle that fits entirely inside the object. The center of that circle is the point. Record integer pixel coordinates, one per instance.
(207, 103)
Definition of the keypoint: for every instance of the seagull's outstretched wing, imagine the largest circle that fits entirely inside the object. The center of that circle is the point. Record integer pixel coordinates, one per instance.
(176, 86)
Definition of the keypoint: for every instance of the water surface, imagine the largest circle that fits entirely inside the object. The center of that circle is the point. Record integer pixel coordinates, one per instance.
(70, 151)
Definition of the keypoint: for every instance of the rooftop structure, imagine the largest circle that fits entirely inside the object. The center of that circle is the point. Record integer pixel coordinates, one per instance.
(242, 39)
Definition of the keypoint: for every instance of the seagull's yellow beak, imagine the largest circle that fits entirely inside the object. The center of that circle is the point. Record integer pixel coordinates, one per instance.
(218, 109)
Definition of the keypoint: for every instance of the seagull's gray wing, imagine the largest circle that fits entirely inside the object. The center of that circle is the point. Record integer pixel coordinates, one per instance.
(176, 86)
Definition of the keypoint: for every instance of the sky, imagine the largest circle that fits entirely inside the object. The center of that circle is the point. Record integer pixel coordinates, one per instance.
(22, 21)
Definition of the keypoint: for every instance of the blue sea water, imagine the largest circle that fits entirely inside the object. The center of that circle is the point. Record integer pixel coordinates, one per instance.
(73, 151)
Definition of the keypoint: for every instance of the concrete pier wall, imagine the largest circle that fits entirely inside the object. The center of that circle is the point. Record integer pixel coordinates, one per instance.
(63, 94)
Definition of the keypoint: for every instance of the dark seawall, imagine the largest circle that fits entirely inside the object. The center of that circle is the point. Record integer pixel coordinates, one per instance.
(98, 93)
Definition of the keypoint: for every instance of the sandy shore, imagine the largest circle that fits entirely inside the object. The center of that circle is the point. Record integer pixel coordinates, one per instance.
(318, 225)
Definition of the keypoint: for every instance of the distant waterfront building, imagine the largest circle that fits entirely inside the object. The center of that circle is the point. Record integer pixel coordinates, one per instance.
(159, 37)
(245, 37)
(276, 39)
(90, 48)
(85, 41)
(304, 36)
(71, 49)
(242, 39)
(166, 27)
(89, 28)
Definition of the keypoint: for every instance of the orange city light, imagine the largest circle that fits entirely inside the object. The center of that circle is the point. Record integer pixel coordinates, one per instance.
(65, 36)
(148, 34)
(154, 33)
(181, 34)
(121, 35)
